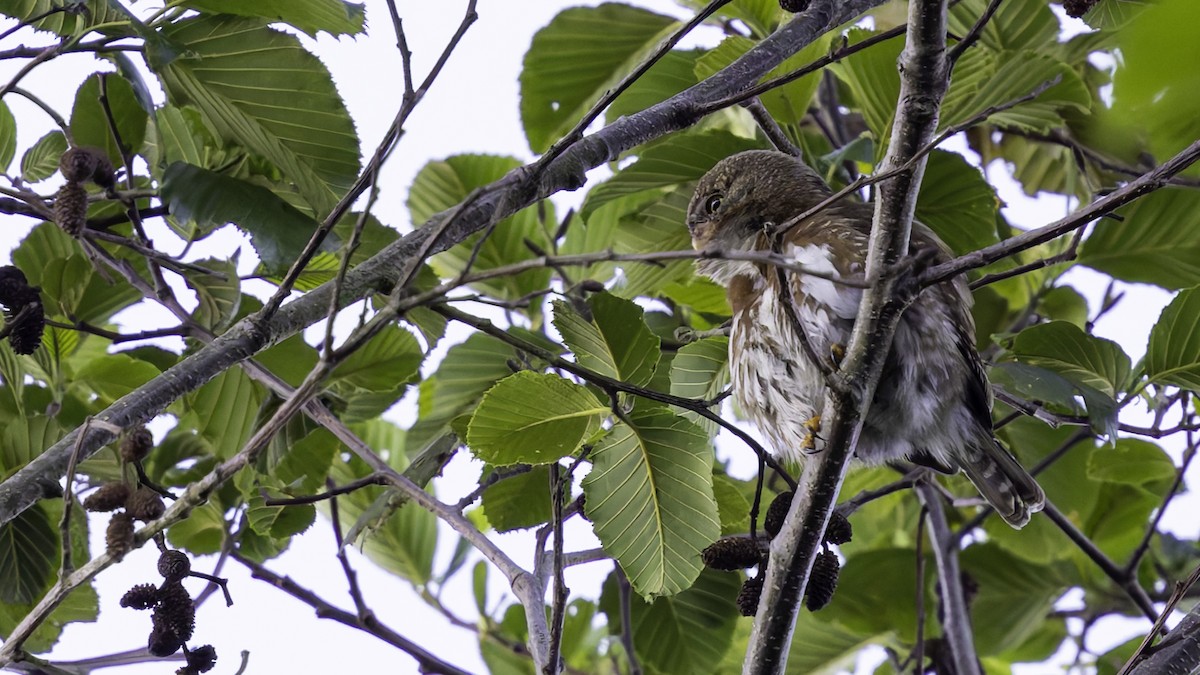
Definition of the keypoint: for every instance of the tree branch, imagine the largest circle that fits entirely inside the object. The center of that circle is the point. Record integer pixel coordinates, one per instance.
(924, 74)
(956, 619)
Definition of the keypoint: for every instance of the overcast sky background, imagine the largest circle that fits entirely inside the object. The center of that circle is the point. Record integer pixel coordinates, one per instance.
(472, 108)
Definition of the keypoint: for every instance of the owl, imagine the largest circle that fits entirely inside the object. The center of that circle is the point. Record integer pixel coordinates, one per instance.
(933, 403)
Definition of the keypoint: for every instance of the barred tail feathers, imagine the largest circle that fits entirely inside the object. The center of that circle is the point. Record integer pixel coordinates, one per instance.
(1003, 482)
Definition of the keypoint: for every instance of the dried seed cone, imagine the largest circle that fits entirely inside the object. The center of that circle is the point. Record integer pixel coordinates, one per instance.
(142, 596)
(1077, 8)
(838, 531)
(70, 208)
(104, 175)
(137, 444)
(202, 659)
(175, 611)
(731, 553)
(776, 512)
(145, 505)
(110, 497)
(174, 566)
(12, 282)
(119, 536)
(27, 329)
(747, 599)
(823, 581)
(163, 641)
(794, 6)
(78, 164)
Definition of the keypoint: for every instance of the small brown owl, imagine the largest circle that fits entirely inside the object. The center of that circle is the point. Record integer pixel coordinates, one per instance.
(933, 402)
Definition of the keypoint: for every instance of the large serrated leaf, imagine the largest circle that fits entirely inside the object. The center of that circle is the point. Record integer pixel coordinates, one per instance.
(225, 410)
(8, 137)
(331, 16)
(533, 418)
(578, 56)
(614, 341)
(41, 160)
(468, 370)
(789, 103)
(276, 99)
(700, 371)
(278, 230)
(519, 501)
(89, 119)
(1173, 355)
(990, 79)
(873, 81)
(673, 73)
(1014, 596)
(650, 498)
(65, 23)
(1017, 24)
(680, 159)
(1156, 241)
(1132, 461)
(390, 359)
(444, 184)
(1082, 358)
(28, 548)
(957, 203)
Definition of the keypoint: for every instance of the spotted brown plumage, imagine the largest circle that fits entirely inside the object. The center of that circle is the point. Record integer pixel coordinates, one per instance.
(933, 403)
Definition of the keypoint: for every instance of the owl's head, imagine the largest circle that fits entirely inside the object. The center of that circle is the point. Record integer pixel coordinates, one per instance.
(746, 195)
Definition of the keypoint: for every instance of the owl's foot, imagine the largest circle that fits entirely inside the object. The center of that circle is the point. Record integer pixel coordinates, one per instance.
(813, 425)
(838, 351)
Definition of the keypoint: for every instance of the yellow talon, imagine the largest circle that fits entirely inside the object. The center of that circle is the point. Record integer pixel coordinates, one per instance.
(813, 424)
(839, 353)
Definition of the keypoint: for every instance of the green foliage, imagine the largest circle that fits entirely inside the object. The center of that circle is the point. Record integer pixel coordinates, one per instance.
(532, 418)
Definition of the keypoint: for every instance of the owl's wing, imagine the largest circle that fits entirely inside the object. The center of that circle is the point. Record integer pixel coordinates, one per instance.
(977, 390)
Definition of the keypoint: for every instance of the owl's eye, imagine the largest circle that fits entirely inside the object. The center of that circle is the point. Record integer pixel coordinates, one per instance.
(713, 204)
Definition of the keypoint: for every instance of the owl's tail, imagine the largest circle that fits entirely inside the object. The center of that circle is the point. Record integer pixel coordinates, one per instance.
(1006, 486)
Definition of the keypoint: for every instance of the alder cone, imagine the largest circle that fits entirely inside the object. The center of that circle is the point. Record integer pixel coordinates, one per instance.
(202, 659)
(26, 334)
(731, 554)
(110, 497)
(142, 596)
(119, 537)
(70, 208)
(12, 283)
(794, 6)
(838, 531)
(823, 581)
(137, 444)
(175, 611)
(145, 505)
(776, 512)
(747, 599)
(174, 565)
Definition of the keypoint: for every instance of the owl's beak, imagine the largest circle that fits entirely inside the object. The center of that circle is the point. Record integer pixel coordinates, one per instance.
(702, 233)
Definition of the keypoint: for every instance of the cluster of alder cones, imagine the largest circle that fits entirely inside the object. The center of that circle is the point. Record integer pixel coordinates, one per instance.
(174, 618)
(128, 504)
(78, 166)
(24, 314)
(732, 554)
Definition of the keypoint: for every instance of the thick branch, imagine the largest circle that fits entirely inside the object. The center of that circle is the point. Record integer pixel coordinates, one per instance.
(923, 82)
(956, 620)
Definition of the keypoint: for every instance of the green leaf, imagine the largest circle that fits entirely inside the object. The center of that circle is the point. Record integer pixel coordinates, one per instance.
(41, 160)
(468, 370)
(533, 418)
(332, 16)
(65, 23)
(1016, 25)
(575, 59)
(444, 184)
(789, 103)
(684, 633)
(202, 532)
(391, 358)
(673, 73)
(115, 375)
(89, 121)
(679, 159)
(1131, 461)
(1014, 596)
(29, 547)
(1152, 92)
(614, 342)
(180, 136)
(733, 509)
(225, 410)
(279, 522)
(856, 605)
(277, 229)
(700, 371)
(1157, 241)
(8, 137)
(650, 498)
(873, 81)
(762, 17)
(957, 203)
(519, 501)
(990, 79)
(218, 300)
(25, 439)
(1173, 355)
(654, 228)
(277, 100)
(1114, 14)
(1082, 358)
(403, 543)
